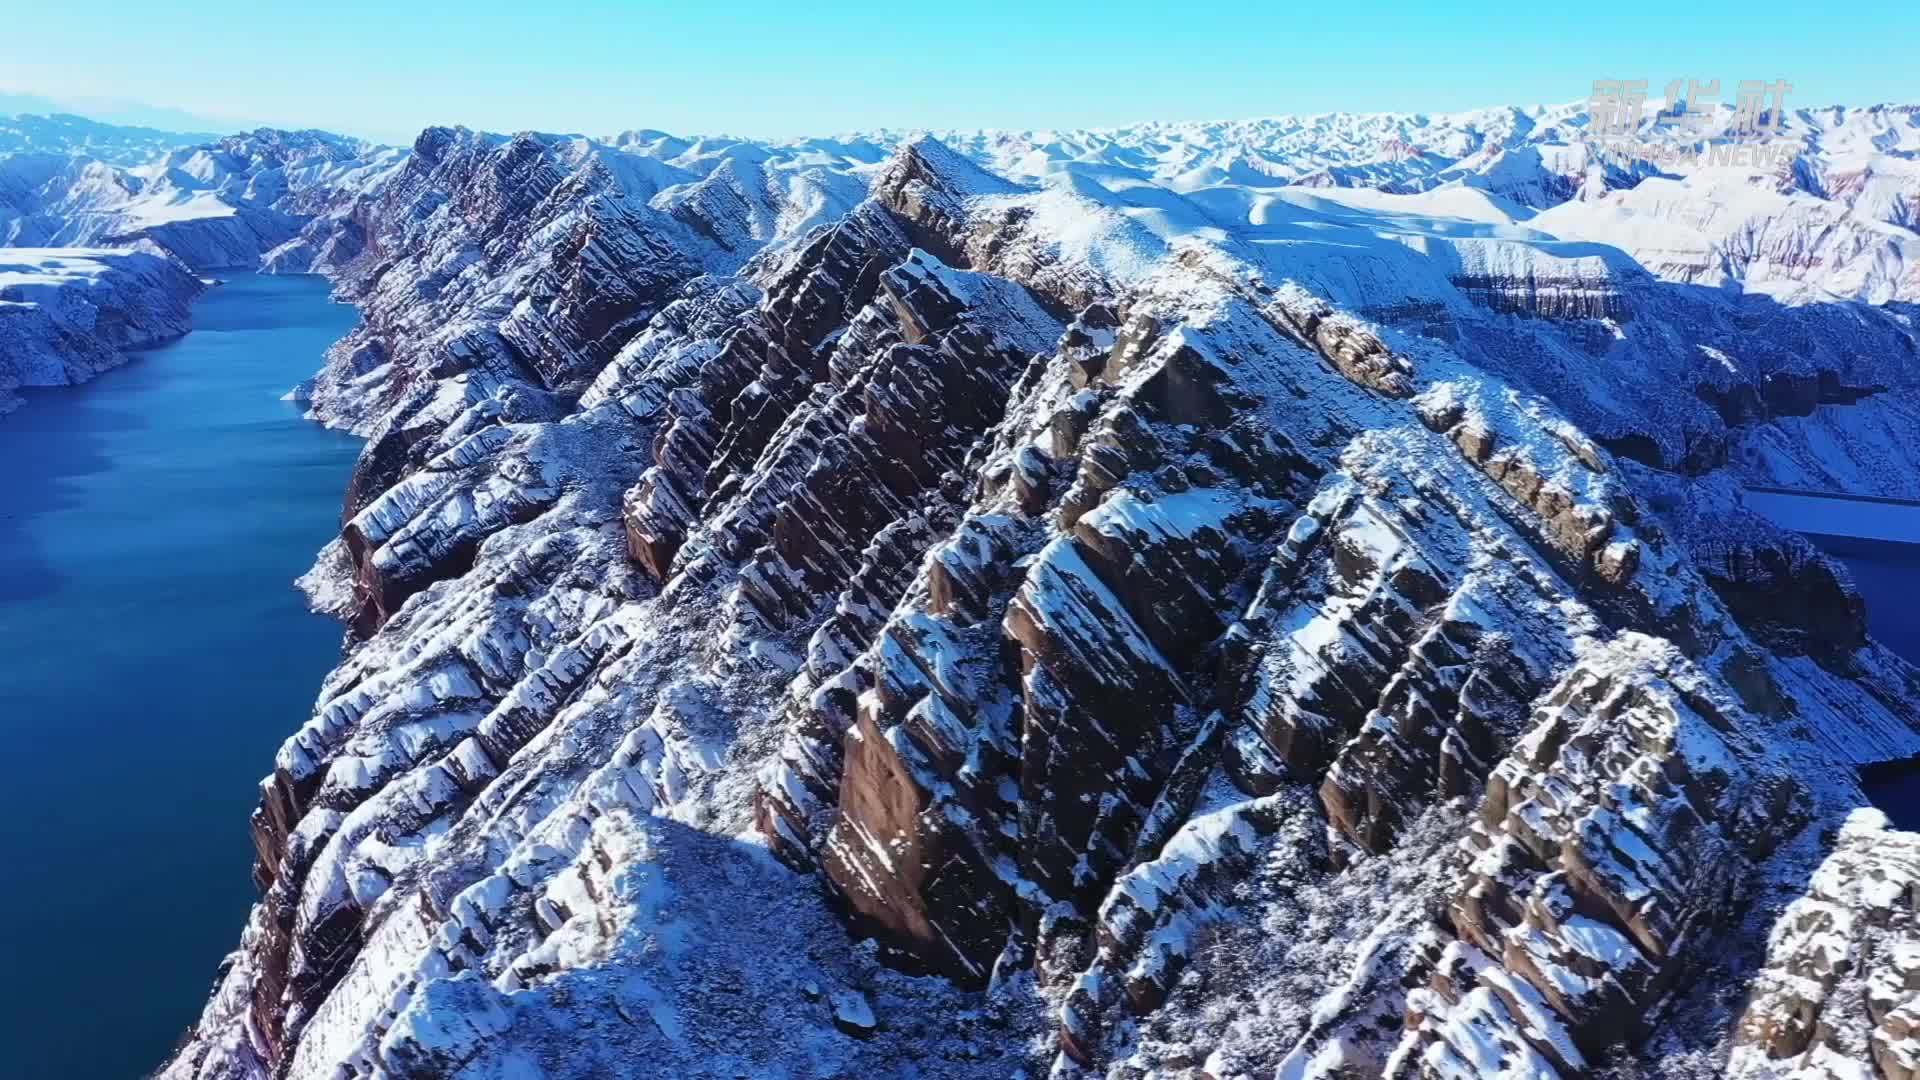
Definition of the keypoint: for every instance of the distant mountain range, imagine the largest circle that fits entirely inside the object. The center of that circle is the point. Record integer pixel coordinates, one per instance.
(215, 204)
(117, 112)
(65, 133)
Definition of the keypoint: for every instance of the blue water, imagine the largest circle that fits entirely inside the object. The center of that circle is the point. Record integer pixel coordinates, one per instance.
(153, 654)
(1888, 575)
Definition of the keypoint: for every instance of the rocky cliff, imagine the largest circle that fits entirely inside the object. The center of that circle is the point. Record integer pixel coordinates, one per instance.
(831, 610)
(68, 314)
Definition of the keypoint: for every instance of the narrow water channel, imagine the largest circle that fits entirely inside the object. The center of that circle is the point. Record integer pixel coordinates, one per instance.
(155, 654)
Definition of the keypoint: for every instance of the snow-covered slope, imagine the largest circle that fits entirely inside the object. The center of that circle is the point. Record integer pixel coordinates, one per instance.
(1079, 603)
(67, 314)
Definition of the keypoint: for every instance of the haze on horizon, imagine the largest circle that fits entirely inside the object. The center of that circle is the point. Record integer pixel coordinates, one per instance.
(601, 67)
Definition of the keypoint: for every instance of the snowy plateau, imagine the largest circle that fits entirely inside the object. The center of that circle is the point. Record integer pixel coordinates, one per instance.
(1212, 600)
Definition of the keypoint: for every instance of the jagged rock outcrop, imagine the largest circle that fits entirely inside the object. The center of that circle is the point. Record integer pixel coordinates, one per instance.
(1614, 838)
(1838, 993)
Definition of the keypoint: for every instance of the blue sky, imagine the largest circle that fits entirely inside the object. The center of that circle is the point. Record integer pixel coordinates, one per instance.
(772, 69)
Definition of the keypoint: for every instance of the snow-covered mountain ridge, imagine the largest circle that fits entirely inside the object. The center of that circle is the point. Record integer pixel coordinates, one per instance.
(66, 134)
(923, 607)
(216, 205)
(1861, 162)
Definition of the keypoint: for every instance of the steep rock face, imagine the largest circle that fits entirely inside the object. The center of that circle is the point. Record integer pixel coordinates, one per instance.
(1163, 666)
(1156, 922)
(501, 276)
(1790, 595)
(1563, 298)
(67, 314)
(756, 377)
(1614, 838)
